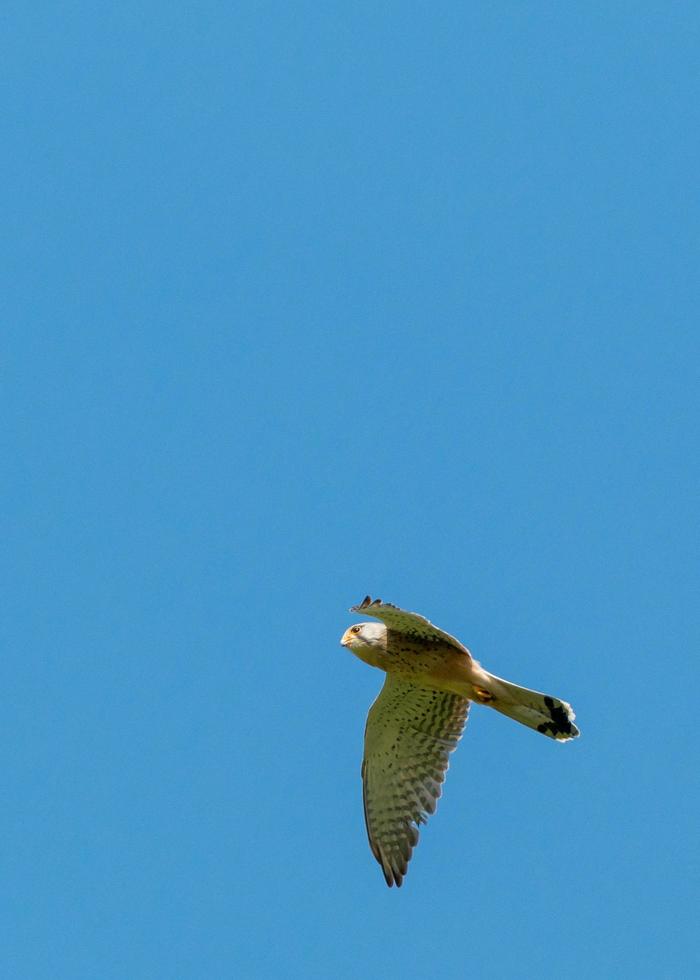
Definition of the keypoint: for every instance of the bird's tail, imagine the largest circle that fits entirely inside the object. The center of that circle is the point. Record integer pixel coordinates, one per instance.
(545, 714)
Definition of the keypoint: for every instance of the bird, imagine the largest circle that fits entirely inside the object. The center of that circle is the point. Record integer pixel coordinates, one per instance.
(418, 719)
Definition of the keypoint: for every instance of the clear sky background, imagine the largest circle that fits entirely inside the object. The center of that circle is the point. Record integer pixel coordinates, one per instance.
(303, 301)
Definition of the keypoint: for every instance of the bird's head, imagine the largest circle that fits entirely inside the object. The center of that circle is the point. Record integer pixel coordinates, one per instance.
(364, 635)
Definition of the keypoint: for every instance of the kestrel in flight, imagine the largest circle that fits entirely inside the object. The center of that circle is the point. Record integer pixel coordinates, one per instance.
(418, 719)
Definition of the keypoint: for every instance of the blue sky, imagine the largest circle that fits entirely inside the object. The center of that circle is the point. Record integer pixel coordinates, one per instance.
(303, 301)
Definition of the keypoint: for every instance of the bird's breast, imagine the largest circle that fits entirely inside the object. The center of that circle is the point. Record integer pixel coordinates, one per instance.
(372, 655)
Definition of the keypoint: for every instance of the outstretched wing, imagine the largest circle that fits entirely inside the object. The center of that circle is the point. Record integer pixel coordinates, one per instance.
(405, 622)
(410, 733)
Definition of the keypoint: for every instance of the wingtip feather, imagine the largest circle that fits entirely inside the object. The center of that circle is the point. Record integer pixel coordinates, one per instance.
(367, 601)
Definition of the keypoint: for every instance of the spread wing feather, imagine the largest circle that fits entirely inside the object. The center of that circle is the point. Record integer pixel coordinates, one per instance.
(402, 621)
(410, 733)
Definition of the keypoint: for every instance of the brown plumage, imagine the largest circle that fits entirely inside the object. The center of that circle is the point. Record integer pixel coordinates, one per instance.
(419, 717)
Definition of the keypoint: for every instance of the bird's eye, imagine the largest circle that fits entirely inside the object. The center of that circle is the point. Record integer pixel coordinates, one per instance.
(355, 629)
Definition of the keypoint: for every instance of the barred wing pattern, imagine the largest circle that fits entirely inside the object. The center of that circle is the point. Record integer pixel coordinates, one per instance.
(410, 733)
(401, 621)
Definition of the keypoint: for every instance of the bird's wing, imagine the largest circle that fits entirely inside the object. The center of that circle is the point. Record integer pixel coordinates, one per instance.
(405, 622)
(410, 733)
